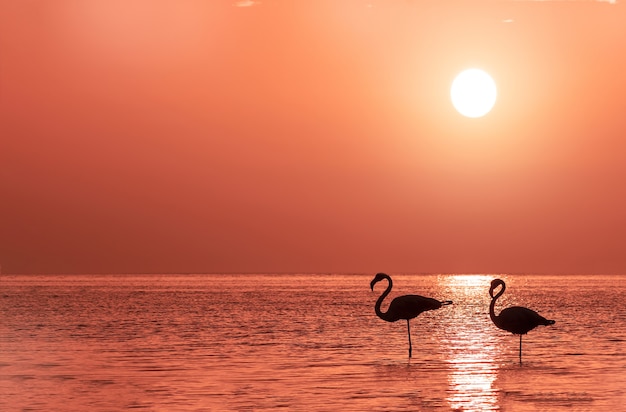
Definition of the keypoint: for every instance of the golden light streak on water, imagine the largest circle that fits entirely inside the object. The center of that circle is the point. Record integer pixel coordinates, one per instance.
(471, 350)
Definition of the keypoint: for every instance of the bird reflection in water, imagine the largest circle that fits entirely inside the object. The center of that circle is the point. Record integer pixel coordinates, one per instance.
(403, 307)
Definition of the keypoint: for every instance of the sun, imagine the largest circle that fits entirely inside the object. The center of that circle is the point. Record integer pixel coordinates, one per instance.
(473, 93)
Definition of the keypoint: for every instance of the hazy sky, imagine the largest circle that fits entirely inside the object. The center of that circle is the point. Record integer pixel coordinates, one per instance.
(310, 136)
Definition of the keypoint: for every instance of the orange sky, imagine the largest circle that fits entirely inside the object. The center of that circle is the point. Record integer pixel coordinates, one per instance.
(310, 136)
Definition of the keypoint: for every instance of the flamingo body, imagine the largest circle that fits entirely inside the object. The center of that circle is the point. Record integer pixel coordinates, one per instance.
(403, 307)
(409, 307)
(520, 320)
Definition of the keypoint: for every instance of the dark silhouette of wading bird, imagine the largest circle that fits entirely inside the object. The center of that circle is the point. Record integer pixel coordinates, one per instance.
(516, 319)
(403, 307)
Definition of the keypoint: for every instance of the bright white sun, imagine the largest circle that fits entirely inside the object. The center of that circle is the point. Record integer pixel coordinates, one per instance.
(473, 93)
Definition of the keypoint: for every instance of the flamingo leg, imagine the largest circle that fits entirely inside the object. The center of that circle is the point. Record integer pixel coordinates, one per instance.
(408, 329)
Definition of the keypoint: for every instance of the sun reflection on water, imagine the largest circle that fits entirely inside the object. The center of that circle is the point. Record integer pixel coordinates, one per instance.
(471, 347)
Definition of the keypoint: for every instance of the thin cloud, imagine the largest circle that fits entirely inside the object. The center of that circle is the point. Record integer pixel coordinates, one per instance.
(246, 3)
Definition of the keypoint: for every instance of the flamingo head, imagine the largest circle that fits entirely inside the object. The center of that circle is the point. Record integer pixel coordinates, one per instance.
(378, 278)
(494, 284)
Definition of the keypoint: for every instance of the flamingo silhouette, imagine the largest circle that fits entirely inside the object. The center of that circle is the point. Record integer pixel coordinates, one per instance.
(403, 307)
(516, 319)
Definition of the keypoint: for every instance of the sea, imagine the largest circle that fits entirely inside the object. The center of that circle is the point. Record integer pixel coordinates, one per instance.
(306, 342)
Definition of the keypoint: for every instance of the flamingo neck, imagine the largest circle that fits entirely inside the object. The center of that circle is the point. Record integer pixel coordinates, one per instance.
(492, 313)
(492, 306)
(379, 302)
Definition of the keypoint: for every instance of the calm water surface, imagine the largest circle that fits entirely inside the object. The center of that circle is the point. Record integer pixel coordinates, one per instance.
(305, 342)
